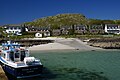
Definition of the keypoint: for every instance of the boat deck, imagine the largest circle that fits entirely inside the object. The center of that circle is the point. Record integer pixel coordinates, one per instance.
(16, 64)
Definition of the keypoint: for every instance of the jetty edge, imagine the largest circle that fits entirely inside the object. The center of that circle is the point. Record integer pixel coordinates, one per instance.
(2, 74)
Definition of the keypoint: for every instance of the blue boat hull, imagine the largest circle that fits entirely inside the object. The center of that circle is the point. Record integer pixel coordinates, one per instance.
(23, 72)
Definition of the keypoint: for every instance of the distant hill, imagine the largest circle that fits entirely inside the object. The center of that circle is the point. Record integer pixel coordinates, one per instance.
(67, 19)
(59, 20)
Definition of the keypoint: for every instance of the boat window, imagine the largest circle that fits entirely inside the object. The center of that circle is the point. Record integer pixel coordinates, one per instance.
(14, 46)
(26, 52)
(12, 55)
(22, 55)
(4, 55)
(16, 55)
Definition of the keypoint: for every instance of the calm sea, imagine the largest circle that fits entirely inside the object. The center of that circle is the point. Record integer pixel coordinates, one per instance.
(79, 65)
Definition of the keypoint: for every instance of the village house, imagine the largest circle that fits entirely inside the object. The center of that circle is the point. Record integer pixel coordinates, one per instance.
(80, 29)
(13, 29)
(65, 30)
(44, 31)
(96, 29)
(56, 32)
(112, 28)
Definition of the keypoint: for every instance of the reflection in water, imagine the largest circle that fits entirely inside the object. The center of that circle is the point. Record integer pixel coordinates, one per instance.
(77, 65)
(79, 74)
(66, 74)
(46, 75)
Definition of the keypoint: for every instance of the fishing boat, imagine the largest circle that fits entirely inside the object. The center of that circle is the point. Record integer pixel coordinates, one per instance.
(17, 62)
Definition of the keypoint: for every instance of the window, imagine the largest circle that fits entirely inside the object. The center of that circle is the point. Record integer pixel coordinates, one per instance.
(19, 28)
(22, 55)
(12, 55)
(116, 27)
(4, 55)
(9, 31)
(16, 55)
(11, 28)
(15, 27)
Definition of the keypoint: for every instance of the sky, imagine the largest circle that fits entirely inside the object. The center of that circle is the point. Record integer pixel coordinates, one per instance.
(20, 11)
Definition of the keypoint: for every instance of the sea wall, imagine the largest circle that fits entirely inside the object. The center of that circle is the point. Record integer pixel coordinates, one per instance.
(29, 42)
(2, 74)
(106, 43)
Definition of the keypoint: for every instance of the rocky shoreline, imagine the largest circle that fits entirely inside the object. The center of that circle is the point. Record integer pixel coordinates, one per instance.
(106, 43)
(30, 42)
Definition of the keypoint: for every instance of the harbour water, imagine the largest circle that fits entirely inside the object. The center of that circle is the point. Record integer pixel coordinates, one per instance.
(79, 65)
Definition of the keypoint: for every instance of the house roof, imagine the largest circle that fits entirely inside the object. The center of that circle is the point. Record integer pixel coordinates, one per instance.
(112, 25)
(37, 28)
(6, 27)
(97, 25)
(80, 26)
(65, 26)
(56, 30)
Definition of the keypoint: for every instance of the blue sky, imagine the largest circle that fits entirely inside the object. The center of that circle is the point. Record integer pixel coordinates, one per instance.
(19, 11)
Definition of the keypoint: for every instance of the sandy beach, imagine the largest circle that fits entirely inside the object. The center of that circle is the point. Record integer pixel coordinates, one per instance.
(63, 44)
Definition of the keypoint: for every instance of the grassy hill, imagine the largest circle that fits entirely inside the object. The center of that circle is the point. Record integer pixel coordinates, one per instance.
(59, 20)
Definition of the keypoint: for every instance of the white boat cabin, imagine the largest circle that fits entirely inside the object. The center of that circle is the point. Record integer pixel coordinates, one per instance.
(13, 52)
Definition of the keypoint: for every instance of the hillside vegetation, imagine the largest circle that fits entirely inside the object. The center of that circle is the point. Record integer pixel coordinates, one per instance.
(55, 22)
(59, 20)
(99, 22)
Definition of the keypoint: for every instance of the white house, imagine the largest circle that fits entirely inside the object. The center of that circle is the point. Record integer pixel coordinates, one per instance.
(15, 30)
(47, 33)
(38, 35)
(41, 30)
(112, 28)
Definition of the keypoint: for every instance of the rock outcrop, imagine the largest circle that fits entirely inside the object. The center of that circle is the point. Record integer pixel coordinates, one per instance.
(106, 43)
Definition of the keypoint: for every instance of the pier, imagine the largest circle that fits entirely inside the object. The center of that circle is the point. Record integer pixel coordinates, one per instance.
(2, 74)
